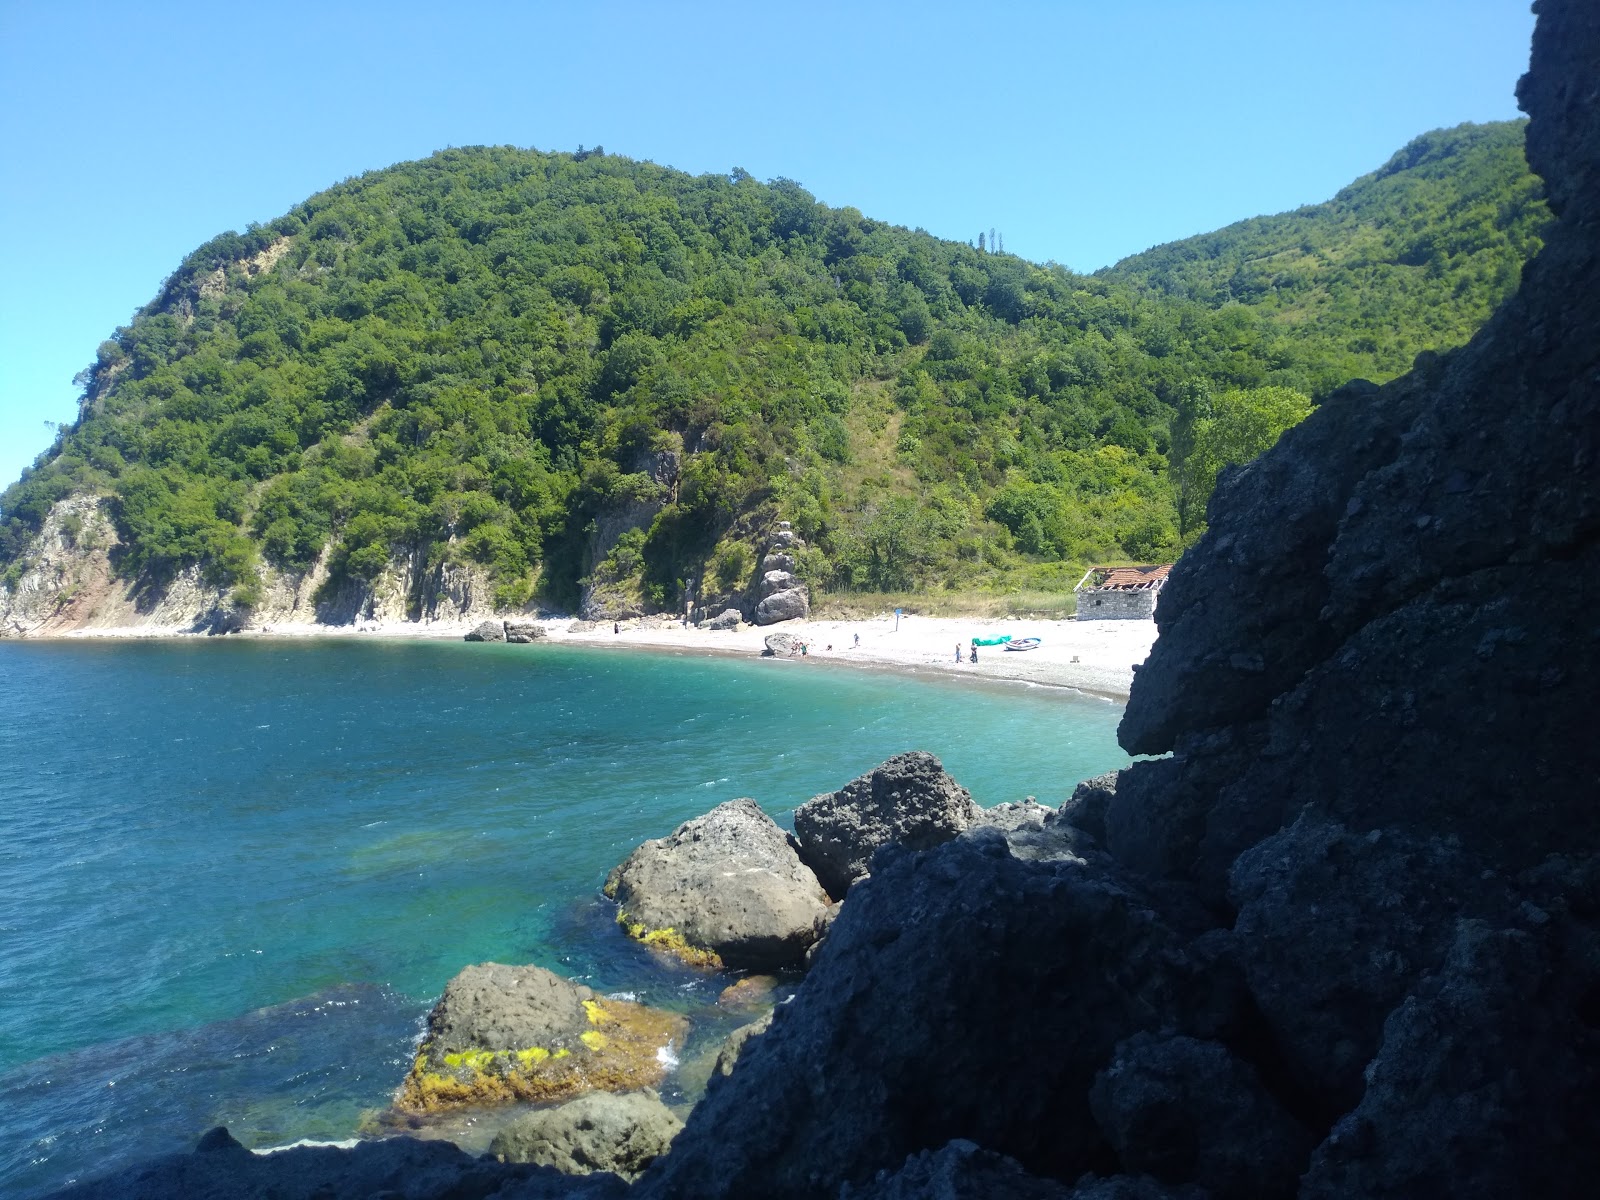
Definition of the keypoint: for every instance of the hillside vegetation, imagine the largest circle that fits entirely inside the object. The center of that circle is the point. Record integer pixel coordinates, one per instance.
(1413, 257)
(570, 366)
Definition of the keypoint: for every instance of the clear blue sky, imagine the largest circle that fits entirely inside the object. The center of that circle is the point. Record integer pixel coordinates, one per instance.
(1083, 131)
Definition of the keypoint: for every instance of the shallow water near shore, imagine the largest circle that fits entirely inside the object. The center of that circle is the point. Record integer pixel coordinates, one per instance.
(235, 875)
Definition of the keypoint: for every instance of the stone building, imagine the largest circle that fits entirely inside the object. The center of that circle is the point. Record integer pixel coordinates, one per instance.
(1120, 593)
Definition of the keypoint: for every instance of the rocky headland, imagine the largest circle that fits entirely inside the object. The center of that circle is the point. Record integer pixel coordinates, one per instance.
(1343, 940)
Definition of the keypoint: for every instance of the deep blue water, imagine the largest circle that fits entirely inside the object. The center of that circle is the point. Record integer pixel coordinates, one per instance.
(234, 876)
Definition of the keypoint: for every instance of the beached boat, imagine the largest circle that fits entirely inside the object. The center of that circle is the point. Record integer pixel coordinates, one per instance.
(1023, 644)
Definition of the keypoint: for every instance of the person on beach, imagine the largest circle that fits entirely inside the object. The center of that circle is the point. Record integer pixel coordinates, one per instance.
(858, 641)
(974, 657)
(616, 627)
(958, 651)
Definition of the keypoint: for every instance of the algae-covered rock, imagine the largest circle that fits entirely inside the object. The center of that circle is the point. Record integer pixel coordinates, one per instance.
(908, 800)
(504, 1033)
(725, 889)
(621, 1134)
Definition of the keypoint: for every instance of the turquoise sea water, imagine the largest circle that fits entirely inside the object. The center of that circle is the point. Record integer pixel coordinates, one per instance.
(234, 876)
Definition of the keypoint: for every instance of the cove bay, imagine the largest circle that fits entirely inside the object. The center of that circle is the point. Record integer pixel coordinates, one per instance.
(237, 874)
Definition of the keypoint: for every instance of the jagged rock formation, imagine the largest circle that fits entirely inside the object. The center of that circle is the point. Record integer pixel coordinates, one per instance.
(603, 1132)
(725, 889)
(69, 581)
(908, 800)
(222, 1169)
(780, 596)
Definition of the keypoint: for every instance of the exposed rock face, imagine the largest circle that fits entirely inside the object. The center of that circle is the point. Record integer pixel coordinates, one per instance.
(908, 800)
(620, 1134)
(734, 1044)
(971, 991)
(487, 631)
(728, 618)
(779, 595)
(1012, 815)
(222, 1169)
(523, 632)
(725, 889)
(523, 1033)
(1186, 1110)
(959, 1170)
(793, 604)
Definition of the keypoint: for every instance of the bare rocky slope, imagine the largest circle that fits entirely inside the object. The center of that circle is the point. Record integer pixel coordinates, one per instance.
(1345, 940)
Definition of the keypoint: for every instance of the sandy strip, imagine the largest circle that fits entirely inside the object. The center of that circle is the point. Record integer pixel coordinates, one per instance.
(1091, 656)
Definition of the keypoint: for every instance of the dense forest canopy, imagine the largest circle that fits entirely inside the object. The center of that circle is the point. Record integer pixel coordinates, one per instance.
(1413, 257)
(479, 355)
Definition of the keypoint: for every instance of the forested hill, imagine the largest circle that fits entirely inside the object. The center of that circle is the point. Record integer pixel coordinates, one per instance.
(571, 369)
(1412, 257)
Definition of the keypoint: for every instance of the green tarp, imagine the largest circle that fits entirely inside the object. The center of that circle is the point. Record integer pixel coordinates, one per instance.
(999, 641)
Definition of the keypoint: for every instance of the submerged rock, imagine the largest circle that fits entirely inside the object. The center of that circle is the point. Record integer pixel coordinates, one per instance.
(908, 800)
(733, 1045)
(725, 889)
(502, 1033)
(487, 631)
(622, 1134)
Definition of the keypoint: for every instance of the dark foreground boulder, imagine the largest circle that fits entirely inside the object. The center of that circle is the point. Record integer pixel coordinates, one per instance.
(1181, 1110)
(909, 801)
(503, 1033)
(972, 991)
(622, 1134)
(486, 631)
(222, 1169)
(733, 1045)
(725, 889)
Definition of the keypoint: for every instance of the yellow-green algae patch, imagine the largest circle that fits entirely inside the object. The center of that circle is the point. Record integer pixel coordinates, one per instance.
(617, 1054)
(671, 942)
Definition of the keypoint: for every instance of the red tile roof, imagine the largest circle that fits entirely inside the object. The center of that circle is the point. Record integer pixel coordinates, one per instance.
(1131, 578)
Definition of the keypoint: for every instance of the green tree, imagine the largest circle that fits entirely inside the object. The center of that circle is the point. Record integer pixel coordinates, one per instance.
(1241, 425)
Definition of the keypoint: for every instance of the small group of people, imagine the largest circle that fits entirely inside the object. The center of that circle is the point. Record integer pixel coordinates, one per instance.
(973, 651)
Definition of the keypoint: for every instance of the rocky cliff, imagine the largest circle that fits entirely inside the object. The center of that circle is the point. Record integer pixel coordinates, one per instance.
(1345, 939)
(69, 583)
